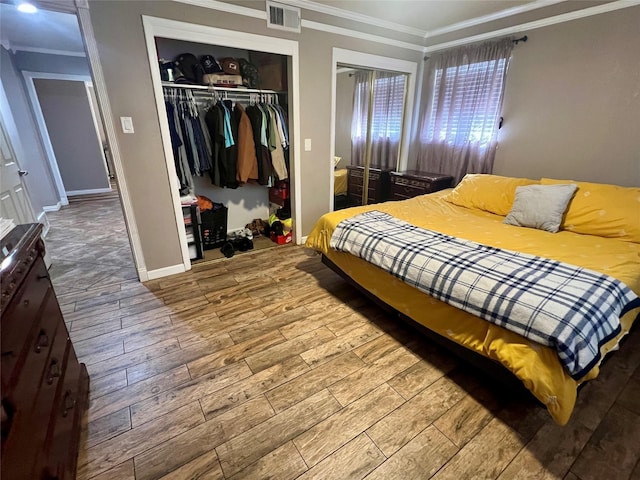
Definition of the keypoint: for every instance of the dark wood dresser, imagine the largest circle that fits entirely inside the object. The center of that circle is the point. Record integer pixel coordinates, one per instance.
(44, 387)
(412, 183)
(379, 185)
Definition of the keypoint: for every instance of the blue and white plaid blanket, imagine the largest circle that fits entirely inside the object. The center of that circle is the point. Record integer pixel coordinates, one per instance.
(569, 308)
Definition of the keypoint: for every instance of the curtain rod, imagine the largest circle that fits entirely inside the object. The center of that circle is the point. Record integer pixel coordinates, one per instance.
(515, 41)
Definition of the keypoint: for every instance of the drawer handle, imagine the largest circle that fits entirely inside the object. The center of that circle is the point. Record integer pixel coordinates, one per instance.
(41, 341)
(68, 403)
(54, 371)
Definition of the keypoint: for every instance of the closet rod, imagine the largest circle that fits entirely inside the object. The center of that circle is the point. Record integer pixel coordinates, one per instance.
(217, 89)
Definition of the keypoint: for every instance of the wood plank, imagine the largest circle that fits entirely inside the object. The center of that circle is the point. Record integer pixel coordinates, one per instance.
(187, 392)
(132, 394)
(630, 395)
(377, 348)
(232, 353)
(110, 453)
(550, 453)
(480, 457)
(313, 381)
(469, 416)
(329, 435)
(203, 327)
(205, 467)
(283, 463)
(129, 359)
(330, 350)
(246, 448)
(354, 461)
(248, 388)
(157, 365)
(396, 429)
(612, 452)
(416, 378)
(272, 322)
(280, 352)
(96, 330)
(131, 333)
(182, 449)
(420, 458)
(314, 320)
(597, 396)
(108, 427)
(124, 471)
(99, 353)
(107, 384)
(371, 376)
(129, 319)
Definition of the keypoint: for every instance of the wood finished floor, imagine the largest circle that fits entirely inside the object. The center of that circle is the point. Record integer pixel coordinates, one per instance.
(270, 366)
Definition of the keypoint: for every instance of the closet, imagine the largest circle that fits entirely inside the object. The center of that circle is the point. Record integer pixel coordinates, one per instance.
(230, 142)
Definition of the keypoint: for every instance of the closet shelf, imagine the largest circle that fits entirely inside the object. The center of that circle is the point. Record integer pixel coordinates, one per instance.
(187, 86)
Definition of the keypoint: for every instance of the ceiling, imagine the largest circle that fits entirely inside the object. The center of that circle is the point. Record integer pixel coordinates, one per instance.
(425, 15)
(55, 31)
(43, 30)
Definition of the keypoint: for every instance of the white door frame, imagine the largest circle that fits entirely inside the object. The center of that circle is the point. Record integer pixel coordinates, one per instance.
(44, 132)
(165, 28)
(352, 57)
(81, 9)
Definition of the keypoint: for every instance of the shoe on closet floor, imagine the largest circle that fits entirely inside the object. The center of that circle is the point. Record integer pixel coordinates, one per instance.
(227, 250)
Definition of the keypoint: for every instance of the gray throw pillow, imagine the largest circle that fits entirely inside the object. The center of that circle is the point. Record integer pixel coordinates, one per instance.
(540, 206)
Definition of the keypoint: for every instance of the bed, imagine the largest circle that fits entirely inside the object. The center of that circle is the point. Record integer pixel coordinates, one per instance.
(600, 232)
(340, 188)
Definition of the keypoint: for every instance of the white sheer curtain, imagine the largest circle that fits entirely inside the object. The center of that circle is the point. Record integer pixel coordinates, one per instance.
(386, 120)
(459, 131)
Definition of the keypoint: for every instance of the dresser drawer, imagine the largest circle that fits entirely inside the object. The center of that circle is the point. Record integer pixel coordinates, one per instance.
(409, 184)
(22, 330)
(62, 443)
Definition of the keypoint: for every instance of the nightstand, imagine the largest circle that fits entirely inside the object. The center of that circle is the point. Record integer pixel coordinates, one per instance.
(413, 182)
(379, 185)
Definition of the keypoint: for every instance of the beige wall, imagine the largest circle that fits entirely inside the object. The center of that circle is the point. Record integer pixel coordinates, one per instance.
(69, 120)
(119, 33)
(572, 102)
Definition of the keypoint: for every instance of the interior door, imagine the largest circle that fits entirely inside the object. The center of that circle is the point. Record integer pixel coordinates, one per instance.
(14, 200)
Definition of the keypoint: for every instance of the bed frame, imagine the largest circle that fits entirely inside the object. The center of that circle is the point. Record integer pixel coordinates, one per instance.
(476, 361)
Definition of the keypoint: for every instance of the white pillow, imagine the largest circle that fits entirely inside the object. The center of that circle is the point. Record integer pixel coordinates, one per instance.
(540, 206)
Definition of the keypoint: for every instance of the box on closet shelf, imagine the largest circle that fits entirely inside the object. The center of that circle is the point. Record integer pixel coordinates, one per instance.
(214, 226)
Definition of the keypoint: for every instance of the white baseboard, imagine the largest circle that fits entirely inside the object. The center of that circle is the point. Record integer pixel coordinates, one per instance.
(302, 240)
(163, 272)
(52, 208)
(73, 193)
(42, 218)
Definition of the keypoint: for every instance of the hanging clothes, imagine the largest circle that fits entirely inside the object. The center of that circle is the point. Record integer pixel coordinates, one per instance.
(247, 160)
(263, 155)
(275, 146)
(223, 173)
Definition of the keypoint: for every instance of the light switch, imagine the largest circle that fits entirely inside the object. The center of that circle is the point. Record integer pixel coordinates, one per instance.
(307, 144)
(127, 124)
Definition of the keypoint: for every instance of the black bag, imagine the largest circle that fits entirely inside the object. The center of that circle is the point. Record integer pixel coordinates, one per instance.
(250, 75)
(191, 69)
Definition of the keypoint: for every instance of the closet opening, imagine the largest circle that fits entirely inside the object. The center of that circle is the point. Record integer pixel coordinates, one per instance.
(227, 115)
(372, 109)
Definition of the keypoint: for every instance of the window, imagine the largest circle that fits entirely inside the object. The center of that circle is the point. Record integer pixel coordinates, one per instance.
(388, 108)
(466, 103)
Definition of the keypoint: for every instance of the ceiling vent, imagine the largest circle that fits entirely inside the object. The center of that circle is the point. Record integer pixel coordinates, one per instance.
(283, 17)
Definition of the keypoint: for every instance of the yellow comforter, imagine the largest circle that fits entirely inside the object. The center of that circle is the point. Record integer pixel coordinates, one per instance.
(340, 181)
(535, 365)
